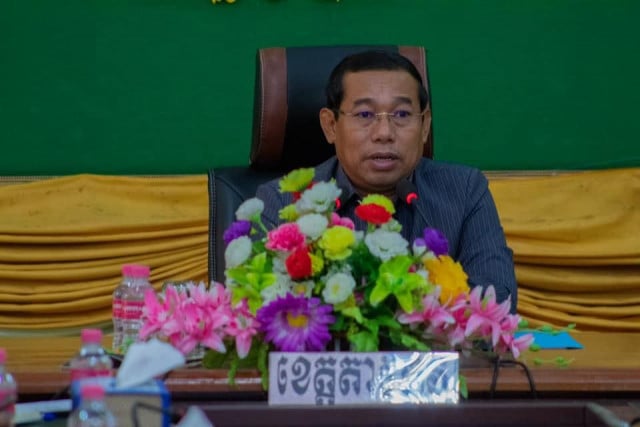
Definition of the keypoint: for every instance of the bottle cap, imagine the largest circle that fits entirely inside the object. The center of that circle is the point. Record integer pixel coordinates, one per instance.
(3, 356)
(91, 335)
(141, 271)
(92, 391)
(127, 269)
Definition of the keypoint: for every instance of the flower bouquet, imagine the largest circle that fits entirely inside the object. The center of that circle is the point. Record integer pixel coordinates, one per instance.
(315, 283)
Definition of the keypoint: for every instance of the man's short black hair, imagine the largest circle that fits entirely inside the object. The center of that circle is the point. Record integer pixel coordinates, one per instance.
(370, 60)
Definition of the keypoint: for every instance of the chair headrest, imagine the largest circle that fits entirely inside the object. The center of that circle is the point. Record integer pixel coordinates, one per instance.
(289, 93)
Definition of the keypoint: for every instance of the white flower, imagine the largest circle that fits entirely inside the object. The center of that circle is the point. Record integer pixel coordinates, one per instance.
(424, 273)
(386, 244)
(303, 288)
(319, 198)
(237, 252)
(278, 264)
(279, 289)
(418, 249)
(338, 288)
(428, 255)
(312, 225)
(392, 225)
(249, 209)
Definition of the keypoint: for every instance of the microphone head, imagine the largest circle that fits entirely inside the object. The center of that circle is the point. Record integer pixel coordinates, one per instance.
(406, 191)
(342, 200)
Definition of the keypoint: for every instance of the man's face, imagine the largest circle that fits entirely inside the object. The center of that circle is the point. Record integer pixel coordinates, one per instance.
(376, 153)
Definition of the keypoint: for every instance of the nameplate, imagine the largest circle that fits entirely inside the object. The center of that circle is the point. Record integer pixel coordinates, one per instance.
(346, 378)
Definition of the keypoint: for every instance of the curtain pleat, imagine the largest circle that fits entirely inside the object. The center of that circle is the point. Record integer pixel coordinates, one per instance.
(576, 243)
(64, 240)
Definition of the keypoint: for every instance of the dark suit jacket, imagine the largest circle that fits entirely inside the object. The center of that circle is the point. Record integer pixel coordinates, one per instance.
(455, 199)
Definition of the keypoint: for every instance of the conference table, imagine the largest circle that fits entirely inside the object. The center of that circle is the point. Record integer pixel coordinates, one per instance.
(605, 371)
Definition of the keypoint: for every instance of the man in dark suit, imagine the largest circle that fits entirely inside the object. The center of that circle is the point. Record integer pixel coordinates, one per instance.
(378, 118)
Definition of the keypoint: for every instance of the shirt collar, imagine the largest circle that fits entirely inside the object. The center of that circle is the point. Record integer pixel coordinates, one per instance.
(348, 192)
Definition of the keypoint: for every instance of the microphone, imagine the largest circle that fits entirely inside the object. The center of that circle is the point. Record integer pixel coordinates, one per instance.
(342, 200)
(407, 191)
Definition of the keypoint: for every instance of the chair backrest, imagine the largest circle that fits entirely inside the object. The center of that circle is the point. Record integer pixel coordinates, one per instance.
(289, 93)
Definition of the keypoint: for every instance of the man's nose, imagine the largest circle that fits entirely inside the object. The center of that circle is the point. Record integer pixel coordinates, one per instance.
(383, 128)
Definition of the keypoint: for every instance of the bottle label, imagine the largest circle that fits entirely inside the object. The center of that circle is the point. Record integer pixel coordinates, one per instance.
(77, 374)
(117, 308)
(132, 310)
(8, 395)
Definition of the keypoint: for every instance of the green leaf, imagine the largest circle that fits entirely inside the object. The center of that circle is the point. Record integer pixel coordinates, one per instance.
(259, 262)
(233, 369)
(263, 355)
(464, 390)
(214, 360)
(388, 321)
(237, 274)
(405, 300)
(537, 361)
(364, 341)
(379, 292)
(412, 343)
(372, 325)
(534, 347)
(353, 312)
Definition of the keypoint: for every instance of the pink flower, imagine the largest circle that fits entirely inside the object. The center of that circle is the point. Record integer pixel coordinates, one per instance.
(188, 318)
(286, 238)
(157, 315)
(508, 341)
(459, 312)
(486, 314)
(200, 325)
(343, 221)
(216, 296)
(243, 327)
(433, 314)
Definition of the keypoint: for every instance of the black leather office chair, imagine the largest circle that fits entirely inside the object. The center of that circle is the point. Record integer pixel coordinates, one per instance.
(289, 93)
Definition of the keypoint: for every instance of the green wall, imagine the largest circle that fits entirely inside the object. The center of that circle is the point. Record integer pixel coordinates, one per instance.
(166, 86)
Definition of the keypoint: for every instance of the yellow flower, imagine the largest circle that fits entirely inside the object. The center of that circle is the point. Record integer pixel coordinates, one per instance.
(377, 199)
(296, 180)
(288, 213)
(336, 242)
(447, 273)
(317, 264)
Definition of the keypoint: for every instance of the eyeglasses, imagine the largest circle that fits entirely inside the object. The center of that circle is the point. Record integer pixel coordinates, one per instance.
(365, 118)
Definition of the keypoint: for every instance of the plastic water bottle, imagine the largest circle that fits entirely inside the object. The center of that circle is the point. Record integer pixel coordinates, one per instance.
(8, 392)
(118, 293)
(92, 360)
(132, 304)
(92, 410)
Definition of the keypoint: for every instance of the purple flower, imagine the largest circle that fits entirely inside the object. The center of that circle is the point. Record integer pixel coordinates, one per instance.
(235, 230)
(296, 323)
(435, 241)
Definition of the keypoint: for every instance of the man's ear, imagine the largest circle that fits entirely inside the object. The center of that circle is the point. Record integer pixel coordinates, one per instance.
(328, 124)
(426, 125)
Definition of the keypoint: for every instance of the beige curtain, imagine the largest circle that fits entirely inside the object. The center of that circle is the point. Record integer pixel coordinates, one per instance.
(64, 240)
(576, 239)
